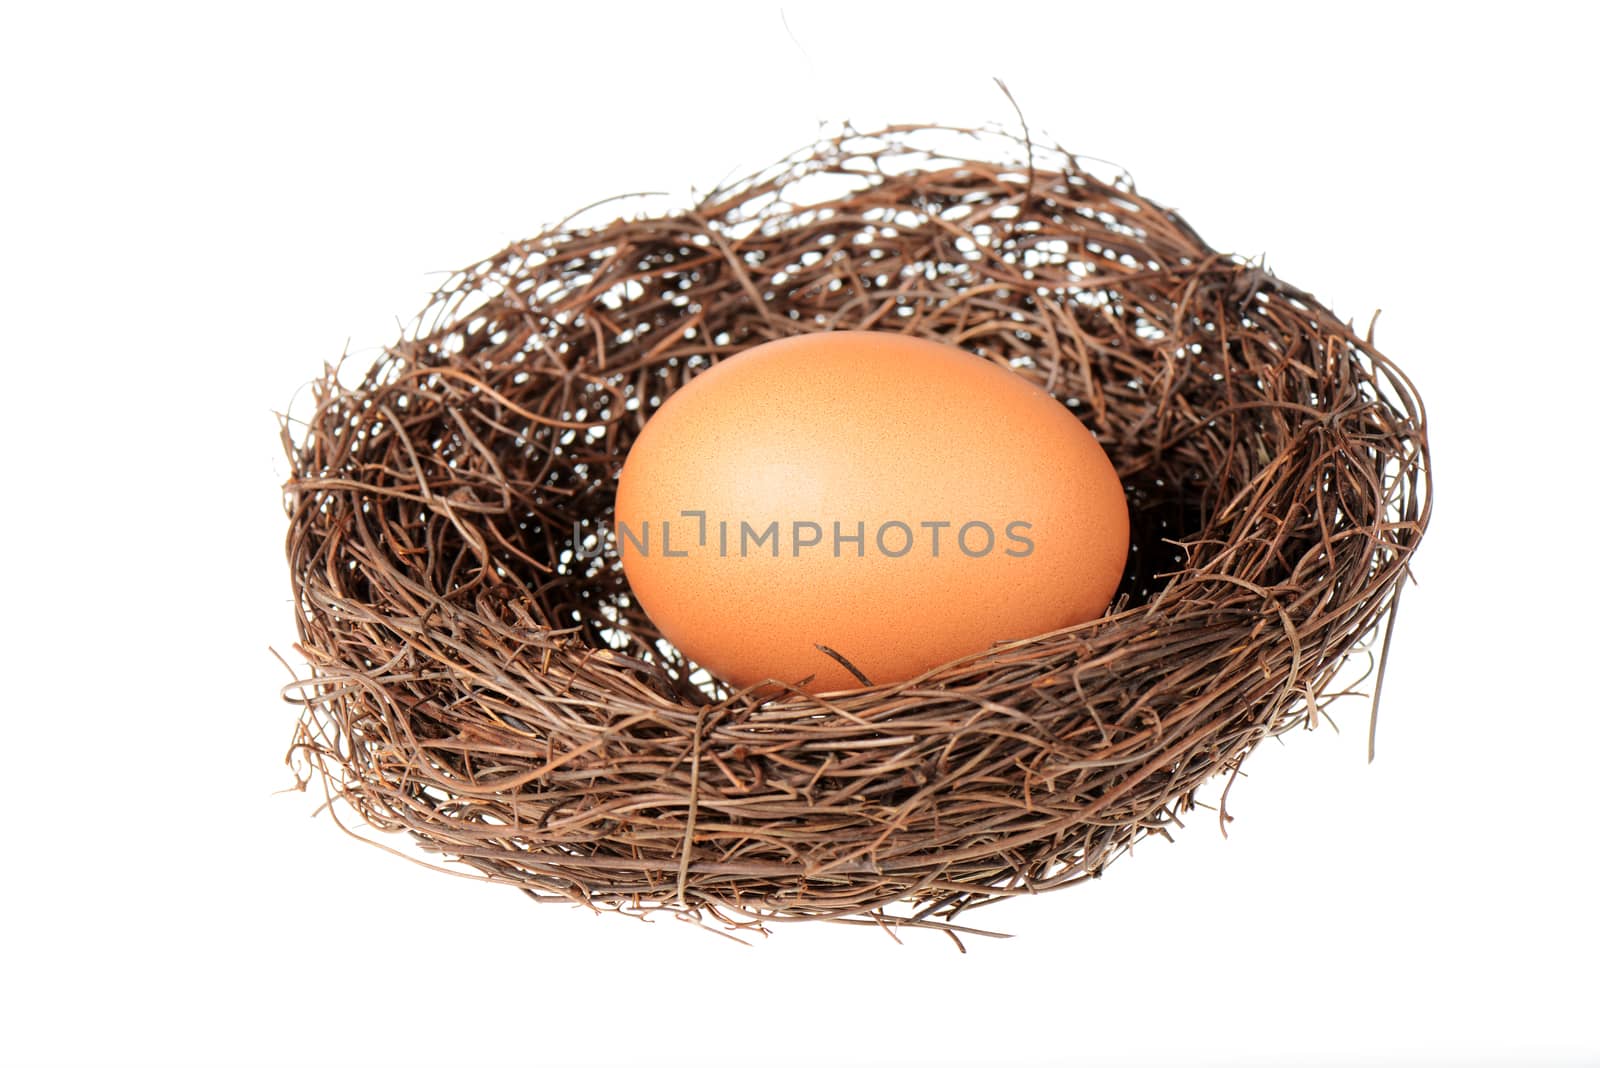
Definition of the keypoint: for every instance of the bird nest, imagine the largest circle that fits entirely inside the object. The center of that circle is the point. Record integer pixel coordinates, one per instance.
(480, 678)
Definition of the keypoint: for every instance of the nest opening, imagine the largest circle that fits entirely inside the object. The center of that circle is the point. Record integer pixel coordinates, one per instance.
(481, 678)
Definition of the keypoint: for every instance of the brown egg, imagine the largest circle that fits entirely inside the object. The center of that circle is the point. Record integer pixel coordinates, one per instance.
(897, 501)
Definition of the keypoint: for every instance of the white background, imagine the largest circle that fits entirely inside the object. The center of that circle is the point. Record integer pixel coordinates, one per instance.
(202, 204)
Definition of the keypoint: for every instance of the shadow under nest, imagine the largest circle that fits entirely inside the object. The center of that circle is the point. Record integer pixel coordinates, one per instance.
(480, 678)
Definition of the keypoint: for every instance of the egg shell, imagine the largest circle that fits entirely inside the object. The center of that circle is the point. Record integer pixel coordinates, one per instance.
(886, 436)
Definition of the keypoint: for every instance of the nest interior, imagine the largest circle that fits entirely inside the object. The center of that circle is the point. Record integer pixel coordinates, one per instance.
(479, 677)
